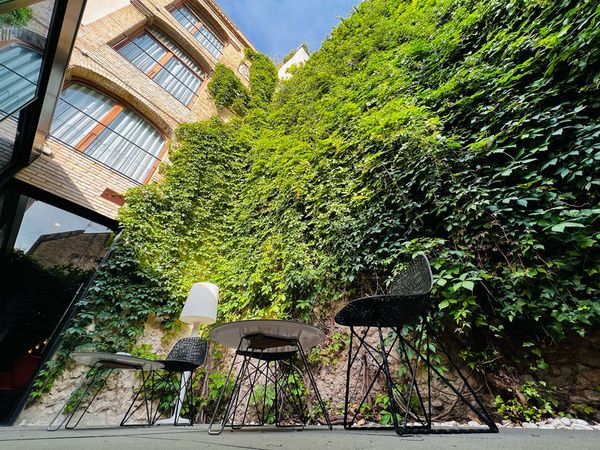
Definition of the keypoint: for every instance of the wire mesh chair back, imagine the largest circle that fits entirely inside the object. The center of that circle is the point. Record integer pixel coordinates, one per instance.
(415, 279)
(189, 349)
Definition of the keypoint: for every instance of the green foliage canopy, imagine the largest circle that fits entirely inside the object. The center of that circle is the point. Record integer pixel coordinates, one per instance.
(466, 129)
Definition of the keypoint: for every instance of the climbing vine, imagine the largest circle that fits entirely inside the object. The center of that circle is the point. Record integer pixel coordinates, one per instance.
(227, 90)
(465, 129)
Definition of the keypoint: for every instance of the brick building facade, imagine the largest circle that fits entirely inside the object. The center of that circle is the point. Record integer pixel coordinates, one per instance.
(96, 63)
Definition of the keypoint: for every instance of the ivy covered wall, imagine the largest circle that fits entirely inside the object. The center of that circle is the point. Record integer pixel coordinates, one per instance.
(466, 129)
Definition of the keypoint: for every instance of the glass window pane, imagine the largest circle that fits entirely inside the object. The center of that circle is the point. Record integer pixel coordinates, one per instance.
(200, 31)
(209, 41)
(128, 143)
(78, 111)
(178, 80)
(19, 72)
(180, 76)
(143, 52)
(185, 17)
(23, 33)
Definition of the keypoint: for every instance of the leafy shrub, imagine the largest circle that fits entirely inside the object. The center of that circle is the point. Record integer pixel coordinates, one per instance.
(530, 405)
(227, 90)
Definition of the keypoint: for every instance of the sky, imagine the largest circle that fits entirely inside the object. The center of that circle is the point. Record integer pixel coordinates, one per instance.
(276, 27)
(41, 218)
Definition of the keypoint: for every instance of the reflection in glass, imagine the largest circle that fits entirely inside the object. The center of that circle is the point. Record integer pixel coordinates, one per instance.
(19, 72)
(8, 135)
(54, 252)
(23, 33)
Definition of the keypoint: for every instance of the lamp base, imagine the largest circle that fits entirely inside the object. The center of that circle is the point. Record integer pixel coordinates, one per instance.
(171, 421)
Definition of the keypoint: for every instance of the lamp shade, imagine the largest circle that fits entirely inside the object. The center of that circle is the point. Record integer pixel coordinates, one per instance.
(201, 304)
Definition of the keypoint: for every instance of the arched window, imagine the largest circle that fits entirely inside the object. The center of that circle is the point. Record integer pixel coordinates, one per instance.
(160, 59)
(107, 131)
(199, 29)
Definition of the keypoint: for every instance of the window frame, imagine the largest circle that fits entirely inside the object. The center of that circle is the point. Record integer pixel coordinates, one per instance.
(104, 122)
(161, 63)
(200, 21)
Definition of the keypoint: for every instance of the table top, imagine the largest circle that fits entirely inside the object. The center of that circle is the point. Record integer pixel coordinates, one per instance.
(230, 334)
(115, 360)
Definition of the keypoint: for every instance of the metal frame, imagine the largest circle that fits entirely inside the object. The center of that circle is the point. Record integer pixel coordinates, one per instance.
(101, 372)
(401, 403)
(256, 364)
(179, 403)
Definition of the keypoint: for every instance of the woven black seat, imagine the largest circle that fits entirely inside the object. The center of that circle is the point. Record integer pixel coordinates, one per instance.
(407, 303)
(383, 310)
(267, 356)
(186, 356)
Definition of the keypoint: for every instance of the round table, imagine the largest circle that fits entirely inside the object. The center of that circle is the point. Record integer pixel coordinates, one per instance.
(233, 335)
(268, 349)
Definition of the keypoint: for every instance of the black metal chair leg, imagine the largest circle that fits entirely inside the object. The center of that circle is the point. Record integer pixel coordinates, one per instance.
(314, 385)
(180, 402)
(484, 415)
(388, 380)
(347, 393)
(264, 409)
(82, 383)
(100, 387)
(130, 413)
(295, 397)
(482, 412)
(223, 389)
(348, 425)
(413, 383)
(236, 401)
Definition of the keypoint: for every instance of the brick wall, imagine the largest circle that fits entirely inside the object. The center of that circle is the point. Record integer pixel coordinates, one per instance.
(75, 177)
(78, 178)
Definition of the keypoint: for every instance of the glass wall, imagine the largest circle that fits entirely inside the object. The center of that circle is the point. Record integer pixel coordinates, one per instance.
(23, 34)
(47, 253)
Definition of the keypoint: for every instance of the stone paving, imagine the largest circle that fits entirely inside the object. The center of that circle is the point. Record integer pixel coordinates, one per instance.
(318, 438)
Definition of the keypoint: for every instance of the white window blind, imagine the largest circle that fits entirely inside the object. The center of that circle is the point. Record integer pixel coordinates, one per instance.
(106, 131)
(199, 30)
(165, 63)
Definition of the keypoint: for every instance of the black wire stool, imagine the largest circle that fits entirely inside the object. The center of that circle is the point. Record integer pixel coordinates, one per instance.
(407, 304)
(185, 357)
(263, 369)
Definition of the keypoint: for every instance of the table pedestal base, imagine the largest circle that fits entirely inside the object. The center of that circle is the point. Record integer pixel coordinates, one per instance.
(268, 388)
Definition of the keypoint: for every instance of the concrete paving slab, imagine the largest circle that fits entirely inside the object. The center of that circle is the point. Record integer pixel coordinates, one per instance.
(317, 438)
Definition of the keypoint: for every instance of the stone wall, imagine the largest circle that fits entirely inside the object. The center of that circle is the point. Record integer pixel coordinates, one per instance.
(574, 369)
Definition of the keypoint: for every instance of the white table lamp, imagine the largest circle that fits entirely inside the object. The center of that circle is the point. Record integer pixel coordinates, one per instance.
(201, 305)
(199, 308)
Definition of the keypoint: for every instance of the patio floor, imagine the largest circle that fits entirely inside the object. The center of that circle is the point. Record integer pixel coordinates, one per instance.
(311, 438)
